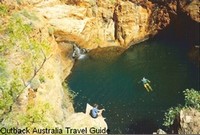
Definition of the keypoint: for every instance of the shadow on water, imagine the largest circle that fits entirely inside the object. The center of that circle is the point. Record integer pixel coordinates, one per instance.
(112, 82)
(145, 126)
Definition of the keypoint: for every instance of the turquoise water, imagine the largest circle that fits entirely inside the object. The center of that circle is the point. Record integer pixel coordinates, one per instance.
(112, 82)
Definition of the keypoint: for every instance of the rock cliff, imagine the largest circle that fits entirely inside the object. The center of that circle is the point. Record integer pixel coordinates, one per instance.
(88, 23)
(95, 24)
(184, 19)
(189, 121)
(187, 7)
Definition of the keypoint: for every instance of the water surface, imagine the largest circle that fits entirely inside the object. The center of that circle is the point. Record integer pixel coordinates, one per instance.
(113, 83)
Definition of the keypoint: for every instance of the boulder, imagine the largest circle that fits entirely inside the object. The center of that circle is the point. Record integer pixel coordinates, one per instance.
(189, 121)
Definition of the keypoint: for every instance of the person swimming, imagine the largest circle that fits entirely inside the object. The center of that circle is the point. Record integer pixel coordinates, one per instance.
(146, 84)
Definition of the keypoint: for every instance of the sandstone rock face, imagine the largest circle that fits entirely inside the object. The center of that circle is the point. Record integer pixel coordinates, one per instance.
(90, 24)
(131, 22)
(189, 121)
(100, 23)
(50, 92)
(103, 23)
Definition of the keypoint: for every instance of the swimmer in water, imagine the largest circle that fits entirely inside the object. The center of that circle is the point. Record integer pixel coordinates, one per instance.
(146, 84)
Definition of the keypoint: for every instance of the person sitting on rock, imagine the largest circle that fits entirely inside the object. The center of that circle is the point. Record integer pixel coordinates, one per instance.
(146, 84)
(95, 112)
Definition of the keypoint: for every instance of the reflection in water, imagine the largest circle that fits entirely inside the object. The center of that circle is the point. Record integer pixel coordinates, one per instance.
(113, 84)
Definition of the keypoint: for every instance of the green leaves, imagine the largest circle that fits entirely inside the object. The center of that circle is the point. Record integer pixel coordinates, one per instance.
(3, 10)
(35, 114)
(6, 99)
(16, 87)
(17, 30)
(192, 99)
(28, 51)
(170, 116)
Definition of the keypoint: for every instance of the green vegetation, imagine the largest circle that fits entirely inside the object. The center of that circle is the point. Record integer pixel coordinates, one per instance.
(97, 40)
(3, 10)
(9, 88)
(35, 116)
(42, 79)
(192, 99)
(25, 54)
(170, 115)
(113, 1)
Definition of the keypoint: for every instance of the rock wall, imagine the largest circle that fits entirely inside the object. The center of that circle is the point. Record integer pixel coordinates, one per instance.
(189, 121)
(50, 104)
(188, 7)
(104, 23)
(184, 19)
(90, 24)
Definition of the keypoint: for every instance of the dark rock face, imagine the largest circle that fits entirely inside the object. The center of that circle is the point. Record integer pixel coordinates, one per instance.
(184, 19)
(188, 7)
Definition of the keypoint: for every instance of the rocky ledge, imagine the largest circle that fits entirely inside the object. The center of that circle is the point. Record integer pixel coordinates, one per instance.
(90, 24)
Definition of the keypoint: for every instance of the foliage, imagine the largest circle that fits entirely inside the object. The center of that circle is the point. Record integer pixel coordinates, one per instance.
(2, 65)
(97, 40)
(16, 29)
(42, 79)
(10, 89)
(192, 99)
(16, 87)
(5, 101)
(113, 1)
(3, 10)
(21, 41)
(170, 115)
(35, 115)
(5, 98)
(18, 42)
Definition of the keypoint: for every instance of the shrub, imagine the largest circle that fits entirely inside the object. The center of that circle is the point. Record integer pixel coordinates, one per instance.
(170, 116)
(42, 79)
(18, 39)
(3, 10)
(192, 99)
